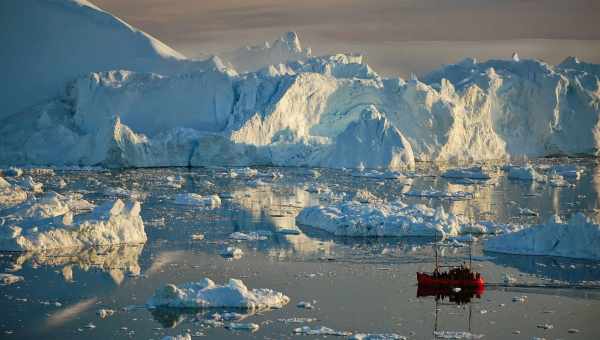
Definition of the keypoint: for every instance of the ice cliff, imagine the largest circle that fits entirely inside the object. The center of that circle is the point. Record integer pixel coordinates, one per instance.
(130, 101)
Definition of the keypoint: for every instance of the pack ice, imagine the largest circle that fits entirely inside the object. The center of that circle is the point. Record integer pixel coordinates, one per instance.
(206, 294)
(55, 222)
(108, 94)
(577, 238)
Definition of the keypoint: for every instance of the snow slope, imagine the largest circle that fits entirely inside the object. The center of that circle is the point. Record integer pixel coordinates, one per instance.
(46, 43)
(300, 110)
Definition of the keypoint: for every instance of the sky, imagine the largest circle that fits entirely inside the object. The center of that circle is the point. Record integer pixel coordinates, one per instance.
(398, 37)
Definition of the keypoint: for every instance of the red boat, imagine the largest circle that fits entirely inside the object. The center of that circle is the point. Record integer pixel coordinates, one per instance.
(457, 276)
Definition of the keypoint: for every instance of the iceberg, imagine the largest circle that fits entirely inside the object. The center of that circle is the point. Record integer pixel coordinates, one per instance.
(207, 294)
(577, 238)
(50, 224)
(381, 220)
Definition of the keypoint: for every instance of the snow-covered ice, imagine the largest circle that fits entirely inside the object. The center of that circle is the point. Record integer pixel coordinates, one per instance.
(212, 201)
(577, 238)
(207, 294)
(382, 219)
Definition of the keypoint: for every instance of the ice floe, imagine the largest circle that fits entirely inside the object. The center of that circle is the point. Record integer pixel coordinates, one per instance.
(524, 173)
(232, 252)
(432, 193)
(9, 279)
(577, 238)
(476, 173)
(382, 336)
(259, 235)
(11, 194)
(307, 330)
(456, 335)
(212, 201)
(207, 294)
(384, 219)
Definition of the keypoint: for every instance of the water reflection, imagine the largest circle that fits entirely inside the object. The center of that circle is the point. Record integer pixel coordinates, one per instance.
(117, 261)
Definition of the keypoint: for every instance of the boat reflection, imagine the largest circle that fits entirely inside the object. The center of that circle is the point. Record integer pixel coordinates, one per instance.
(456, 296)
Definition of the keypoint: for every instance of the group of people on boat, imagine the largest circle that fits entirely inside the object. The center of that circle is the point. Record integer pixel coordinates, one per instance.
(459, 273)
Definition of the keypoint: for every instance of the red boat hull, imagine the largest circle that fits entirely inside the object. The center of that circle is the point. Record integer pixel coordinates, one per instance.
(425, 279)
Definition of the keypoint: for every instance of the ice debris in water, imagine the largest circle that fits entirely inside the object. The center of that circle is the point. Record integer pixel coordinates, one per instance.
(175, 181)
(198, 237)
(577, 238)
(252, 327)
(521, 298)
(206, 294)
(524, 173)
(306, 304)
(109, 224)
(456, 335)
(105, 313)
(383, 336)
(432, 193)
(393, 219)
(259, 235)
(476, 173)
(9, 279)
(29, 184)
(212, 201)
(307, 330)
(232, 252)
(177, 337)
(12, 172)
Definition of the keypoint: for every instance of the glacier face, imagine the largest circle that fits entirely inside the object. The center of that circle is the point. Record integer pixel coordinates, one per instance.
(287, 107)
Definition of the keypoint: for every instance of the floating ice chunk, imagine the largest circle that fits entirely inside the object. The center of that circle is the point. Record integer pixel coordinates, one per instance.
(567, 171)
(288, 231)
(506, 278)
(207, 294)
(177, 337)
(456, 335)
(394, 219)
(105, 313)
(232, 252)
(197, 237)
(124, 193)
(252, 327)
(545, 326)
(524, 173)
(175, 181)
(364, 196)
(306, 330)
(9, 279)
(521, 299)
(259, 235)
(476, 173)
(109, 224)
(317, 188)
(297, 320)
(305, 305)
(578, 238)
(384, 336)
(257, 183)
(212, 201)
(527, 212)
(558, 181)
(432, 193)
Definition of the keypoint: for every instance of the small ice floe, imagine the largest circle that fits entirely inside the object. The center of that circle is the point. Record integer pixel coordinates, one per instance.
(524, 173)
(41, 172)
(476, 173)
(545, 326)
(9, 279)
(432, 193)
(212, 201)
(206, 294)
(257, 183)
(52, 225)
(382, 336)
(237, 326)
(456, 335)
(394, 219)
(306, 304)
(577, 238)
(527, 212)
(197, 237)
(558, 181)
(28, 184)
(177, 337)
(288, 231)
(90, 326)
(105, 313)
(567, 171)
(242, 172)
(232, 252)
(317, 188)
(506, 278)
(297, 320)
(124, 193)
(11, 194)
(12, 172)
(175, 181)
(364, 196)
(521, 298)
(306, 330)
(573, 331)
(259, 235)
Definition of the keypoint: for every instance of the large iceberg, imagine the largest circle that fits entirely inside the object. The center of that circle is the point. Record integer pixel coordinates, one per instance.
(50, 224)
(130, 101)
(577, 238)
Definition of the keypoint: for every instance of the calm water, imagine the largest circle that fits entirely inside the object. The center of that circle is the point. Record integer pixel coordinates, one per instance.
(359, 285)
